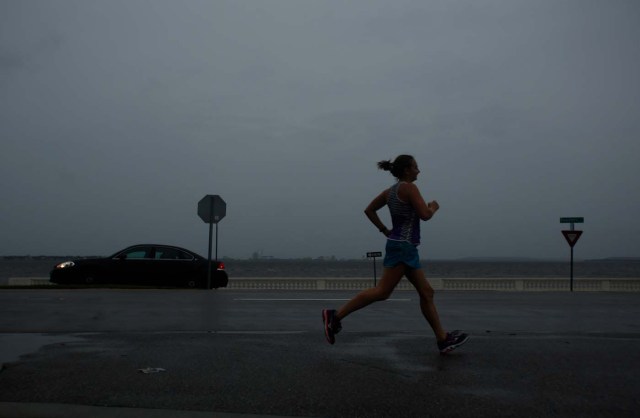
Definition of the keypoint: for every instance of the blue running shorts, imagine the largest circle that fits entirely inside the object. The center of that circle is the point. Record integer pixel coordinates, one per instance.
(397, 252)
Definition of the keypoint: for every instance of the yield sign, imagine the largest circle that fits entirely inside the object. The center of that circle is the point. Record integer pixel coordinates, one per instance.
(572, 237)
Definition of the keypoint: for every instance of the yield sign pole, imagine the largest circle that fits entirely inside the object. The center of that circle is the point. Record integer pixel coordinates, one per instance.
(572, 237)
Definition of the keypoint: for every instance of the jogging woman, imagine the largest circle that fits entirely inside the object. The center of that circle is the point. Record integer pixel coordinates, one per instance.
(407, 209)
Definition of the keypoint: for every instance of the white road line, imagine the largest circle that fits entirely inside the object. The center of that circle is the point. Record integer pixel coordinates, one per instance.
(266, 332)
(305, 299)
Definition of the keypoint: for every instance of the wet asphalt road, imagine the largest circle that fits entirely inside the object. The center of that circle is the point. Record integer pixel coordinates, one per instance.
(531, 354)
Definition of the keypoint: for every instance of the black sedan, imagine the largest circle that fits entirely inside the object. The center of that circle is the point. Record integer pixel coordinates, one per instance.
(145, 265)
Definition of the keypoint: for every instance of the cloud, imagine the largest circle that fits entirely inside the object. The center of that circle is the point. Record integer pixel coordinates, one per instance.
(117, 117)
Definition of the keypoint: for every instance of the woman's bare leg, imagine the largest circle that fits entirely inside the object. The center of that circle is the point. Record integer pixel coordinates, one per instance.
(384, 288)
(427, 305)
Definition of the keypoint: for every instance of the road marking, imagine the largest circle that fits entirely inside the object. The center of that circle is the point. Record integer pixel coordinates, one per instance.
(305, 299)
(266, 332)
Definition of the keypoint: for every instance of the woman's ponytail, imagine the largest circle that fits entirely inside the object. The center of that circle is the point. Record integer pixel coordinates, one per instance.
(398, 166)
(386, 165)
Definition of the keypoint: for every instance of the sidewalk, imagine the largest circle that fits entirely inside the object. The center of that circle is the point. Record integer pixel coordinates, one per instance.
(48, 410)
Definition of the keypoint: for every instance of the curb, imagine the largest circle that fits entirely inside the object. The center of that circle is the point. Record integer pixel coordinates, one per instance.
(53, 410)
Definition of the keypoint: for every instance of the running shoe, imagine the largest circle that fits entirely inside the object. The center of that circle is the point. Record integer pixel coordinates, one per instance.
(454, 340)
(332, 324)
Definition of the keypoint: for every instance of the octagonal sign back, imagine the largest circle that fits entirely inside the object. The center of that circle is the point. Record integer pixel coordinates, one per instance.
(212, 208)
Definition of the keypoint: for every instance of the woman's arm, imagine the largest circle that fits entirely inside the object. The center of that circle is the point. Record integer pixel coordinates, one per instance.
(371, 211)
(411, 194)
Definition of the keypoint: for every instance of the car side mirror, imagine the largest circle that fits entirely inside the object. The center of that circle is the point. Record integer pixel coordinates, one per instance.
(122, 257)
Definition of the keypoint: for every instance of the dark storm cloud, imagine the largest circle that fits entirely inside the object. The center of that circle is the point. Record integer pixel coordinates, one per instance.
(117, 117)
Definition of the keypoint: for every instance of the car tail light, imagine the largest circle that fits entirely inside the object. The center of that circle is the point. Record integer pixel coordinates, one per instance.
(220, 265)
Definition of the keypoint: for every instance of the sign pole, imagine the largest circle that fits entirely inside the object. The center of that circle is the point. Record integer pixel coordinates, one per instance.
(571, 282)
(571, 268)
(374, 255)
(209, 256)
(572, 237)
(216, 241)
(211, 209)
(374, 272)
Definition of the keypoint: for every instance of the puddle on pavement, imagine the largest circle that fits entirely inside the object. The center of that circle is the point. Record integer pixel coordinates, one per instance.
(13, 346)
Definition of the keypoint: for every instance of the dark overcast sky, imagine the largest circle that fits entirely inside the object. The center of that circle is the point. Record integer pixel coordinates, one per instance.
(117, 117)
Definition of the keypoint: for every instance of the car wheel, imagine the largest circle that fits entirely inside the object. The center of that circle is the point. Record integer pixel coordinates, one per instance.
(89, 279)
(192, 283)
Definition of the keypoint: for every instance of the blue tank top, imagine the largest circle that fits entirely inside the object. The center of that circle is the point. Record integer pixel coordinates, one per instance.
(405, 220)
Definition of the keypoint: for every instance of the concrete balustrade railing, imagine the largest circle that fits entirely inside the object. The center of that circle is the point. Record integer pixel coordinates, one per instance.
(493, 284)
(359, 283)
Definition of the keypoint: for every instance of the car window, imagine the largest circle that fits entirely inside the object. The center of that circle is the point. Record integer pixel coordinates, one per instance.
(171, 254)
(137, 253)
